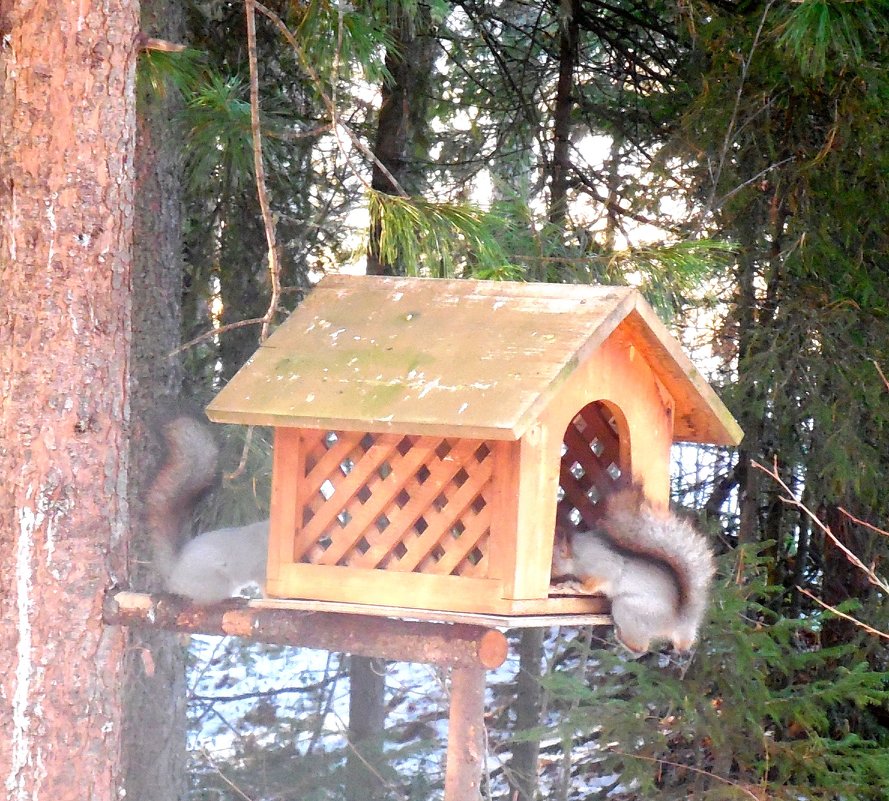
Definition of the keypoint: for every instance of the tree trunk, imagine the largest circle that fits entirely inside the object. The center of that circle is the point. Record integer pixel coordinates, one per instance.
(66, 208)
(154, 755)
(562, 107)
(529, 695)
(367, 716)
(402, 117)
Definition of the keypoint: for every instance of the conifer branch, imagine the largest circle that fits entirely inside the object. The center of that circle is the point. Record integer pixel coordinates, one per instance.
(336, 123)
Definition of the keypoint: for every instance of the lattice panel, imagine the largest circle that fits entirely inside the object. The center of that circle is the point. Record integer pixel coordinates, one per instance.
(395, 502)
(590, 467)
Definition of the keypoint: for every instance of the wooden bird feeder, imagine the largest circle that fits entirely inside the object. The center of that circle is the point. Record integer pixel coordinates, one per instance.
(427, 433)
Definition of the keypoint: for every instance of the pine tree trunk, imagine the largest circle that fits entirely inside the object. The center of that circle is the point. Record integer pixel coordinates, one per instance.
(529, 696)
(562, 107)
(367, 717)
(402, 117)
(66, 208)
(154, 703)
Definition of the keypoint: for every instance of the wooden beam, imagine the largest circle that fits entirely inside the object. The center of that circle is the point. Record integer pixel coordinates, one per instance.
(466, 735)
(457, 645)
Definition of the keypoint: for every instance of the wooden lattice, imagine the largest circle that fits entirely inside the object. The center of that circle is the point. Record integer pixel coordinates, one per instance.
(394, 502)
(590, 467)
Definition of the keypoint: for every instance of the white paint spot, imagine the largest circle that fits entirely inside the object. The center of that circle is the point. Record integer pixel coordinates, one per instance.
(498, 304)
(16, 781)
(14, 224)
(310, 397)
(51, 219)
(463, 408)
(428, 388)
(336, 333)
(396, 296)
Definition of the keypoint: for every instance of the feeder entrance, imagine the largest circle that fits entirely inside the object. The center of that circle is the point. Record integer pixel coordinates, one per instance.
(594, 461)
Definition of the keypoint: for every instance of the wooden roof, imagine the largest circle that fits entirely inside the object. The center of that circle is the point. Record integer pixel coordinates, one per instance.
(436, 356)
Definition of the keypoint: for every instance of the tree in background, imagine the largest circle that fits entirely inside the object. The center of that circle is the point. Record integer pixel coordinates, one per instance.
(759, 124)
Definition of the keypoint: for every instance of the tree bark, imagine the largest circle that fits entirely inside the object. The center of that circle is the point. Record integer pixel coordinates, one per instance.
(66, 204)
(367, 716)
(154, 753)
(402, 118)
(562, 107)
(529, 699)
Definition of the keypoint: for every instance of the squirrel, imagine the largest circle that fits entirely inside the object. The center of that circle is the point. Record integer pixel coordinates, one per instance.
(655, 568)
(214, 565)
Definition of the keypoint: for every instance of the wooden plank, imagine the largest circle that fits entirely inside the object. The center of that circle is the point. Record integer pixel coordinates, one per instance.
(417, 591)
(439, 521)
(593, 613)
(701, 415)
(537, 492)
(366, 353)
(344, 488)
(455, 645)
(374, 354)
(287, 469)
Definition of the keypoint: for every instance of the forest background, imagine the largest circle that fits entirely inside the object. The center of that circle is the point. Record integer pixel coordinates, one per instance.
(730, 159)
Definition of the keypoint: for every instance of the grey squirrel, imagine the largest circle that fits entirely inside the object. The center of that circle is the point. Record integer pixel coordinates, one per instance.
(214, 565)
(655, 568)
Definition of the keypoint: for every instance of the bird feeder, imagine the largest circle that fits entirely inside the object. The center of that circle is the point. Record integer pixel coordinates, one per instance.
(428, 434)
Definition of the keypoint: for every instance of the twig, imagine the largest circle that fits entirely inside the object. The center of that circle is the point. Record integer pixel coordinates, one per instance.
(730, 130)
(835, 611)
(160, 45)
(864, 523)
(221, 775)
(872, 577)
(259, 168)
(329, 103)
(223, 329)
(882, 374)
(752, 180)
(245, 451)
(691, 768)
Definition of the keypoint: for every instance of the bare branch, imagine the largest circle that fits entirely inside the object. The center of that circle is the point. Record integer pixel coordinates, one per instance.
(864, 523)
(872, 577)
(835, 611)
(259, 169)
(329, 103)
(882, 374)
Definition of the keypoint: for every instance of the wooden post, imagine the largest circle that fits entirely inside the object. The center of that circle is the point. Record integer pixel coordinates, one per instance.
(466, 735)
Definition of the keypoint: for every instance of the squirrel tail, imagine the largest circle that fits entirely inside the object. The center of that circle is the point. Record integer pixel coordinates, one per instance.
(634, 525)
(187, 470)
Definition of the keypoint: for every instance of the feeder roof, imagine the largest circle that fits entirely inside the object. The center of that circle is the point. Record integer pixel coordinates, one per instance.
(478, 359)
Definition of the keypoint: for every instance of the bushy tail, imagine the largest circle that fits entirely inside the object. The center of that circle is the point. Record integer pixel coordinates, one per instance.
(188, 469)
(633, 524)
